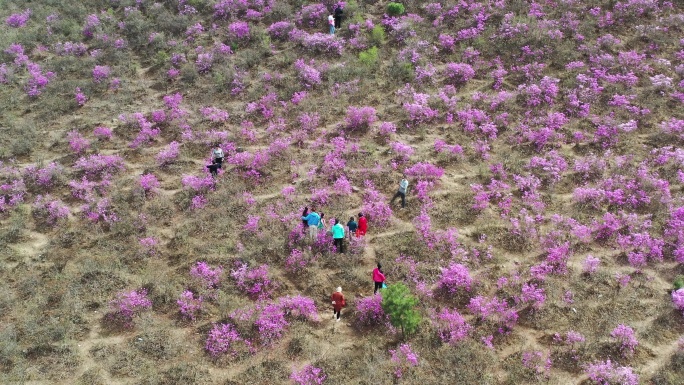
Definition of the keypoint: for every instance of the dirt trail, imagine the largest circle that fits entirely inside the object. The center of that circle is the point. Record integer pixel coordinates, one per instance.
(31, 252)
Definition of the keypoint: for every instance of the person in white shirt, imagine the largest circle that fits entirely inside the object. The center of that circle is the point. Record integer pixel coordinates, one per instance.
(331, 23)
(217, 155)
(403, 188)
(216, 160)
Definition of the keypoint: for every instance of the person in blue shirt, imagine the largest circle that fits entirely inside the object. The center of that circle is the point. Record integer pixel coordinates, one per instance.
(312, 219)
(338, 236)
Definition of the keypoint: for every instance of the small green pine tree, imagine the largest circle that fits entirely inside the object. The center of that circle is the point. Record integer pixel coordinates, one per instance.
(395, 9)
(399, 304)
(378, 35)
(369, 57)
(679, 282)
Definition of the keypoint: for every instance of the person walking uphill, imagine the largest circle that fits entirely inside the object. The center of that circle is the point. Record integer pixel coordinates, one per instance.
(312, 220)
(363, 226)
(378, 278)
(338, 303)
(338, 235)
(403, 188)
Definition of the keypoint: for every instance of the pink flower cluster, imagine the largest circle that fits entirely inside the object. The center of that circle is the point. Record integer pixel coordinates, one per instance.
(190, 305)
(624, 336)
(18, 20)
(255, 282)
(127, 305)
(403, 359)
(308, 375)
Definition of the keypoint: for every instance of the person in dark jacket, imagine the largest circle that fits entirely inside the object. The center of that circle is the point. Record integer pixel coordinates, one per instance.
(338, 16)
(352, 225)
(305, 224)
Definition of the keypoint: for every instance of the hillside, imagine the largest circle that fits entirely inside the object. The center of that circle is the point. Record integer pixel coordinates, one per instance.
(543, 233)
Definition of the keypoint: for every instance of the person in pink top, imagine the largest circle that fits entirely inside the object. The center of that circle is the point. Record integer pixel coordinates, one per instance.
(378, 278)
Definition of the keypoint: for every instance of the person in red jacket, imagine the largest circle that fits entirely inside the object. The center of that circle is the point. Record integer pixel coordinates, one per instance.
(338, 303)
(378, 278)
(363, 226)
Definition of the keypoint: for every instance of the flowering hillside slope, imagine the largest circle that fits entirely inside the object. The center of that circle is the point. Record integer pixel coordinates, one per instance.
(542, 239)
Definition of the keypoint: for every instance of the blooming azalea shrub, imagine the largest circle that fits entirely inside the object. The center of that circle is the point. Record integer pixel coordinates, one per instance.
(451, 326)
(223, 339)
(102, 133)
(678, 299)
(209, 277)
(77, 142)
(169, 154)
(453, 278)
(424, 170)
(538, 363)
(18, 20)
(360, 118)
(53, 210)
(127, 305)
(608, 373)
(403, 359)
(190, 305)
(149, 183)
(308, 375)
(548, 133)
(149, 245)
(99, 165)
(369, 312)
(459, 73)
(375, 206)
(255, 282)
(298, 261)
(624, 336)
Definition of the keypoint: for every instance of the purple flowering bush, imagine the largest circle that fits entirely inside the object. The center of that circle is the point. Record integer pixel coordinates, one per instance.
(360, 118)
(609, 373)
(127, 305)
(308, 375)
(369, 312)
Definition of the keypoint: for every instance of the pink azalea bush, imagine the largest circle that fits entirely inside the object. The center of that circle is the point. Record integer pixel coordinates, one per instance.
(127, 305)
(451, 326)
(678, 299)
(223, 339)
(608, 373)
(189, 305)
(360, 118)
(253, 281)
(149, 183)
(308, 375)
(624, 336)
(50, 208)
(455, 277)
(403, 359)
(369, 312)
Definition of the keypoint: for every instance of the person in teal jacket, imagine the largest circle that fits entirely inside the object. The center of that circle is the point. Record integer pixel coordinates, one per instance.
(313, 219)
(338, 236)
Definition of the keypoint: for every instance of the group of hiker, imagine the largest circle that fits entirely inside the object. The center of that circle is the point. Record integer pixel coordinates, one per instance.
(337, 298)
(313, 222)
